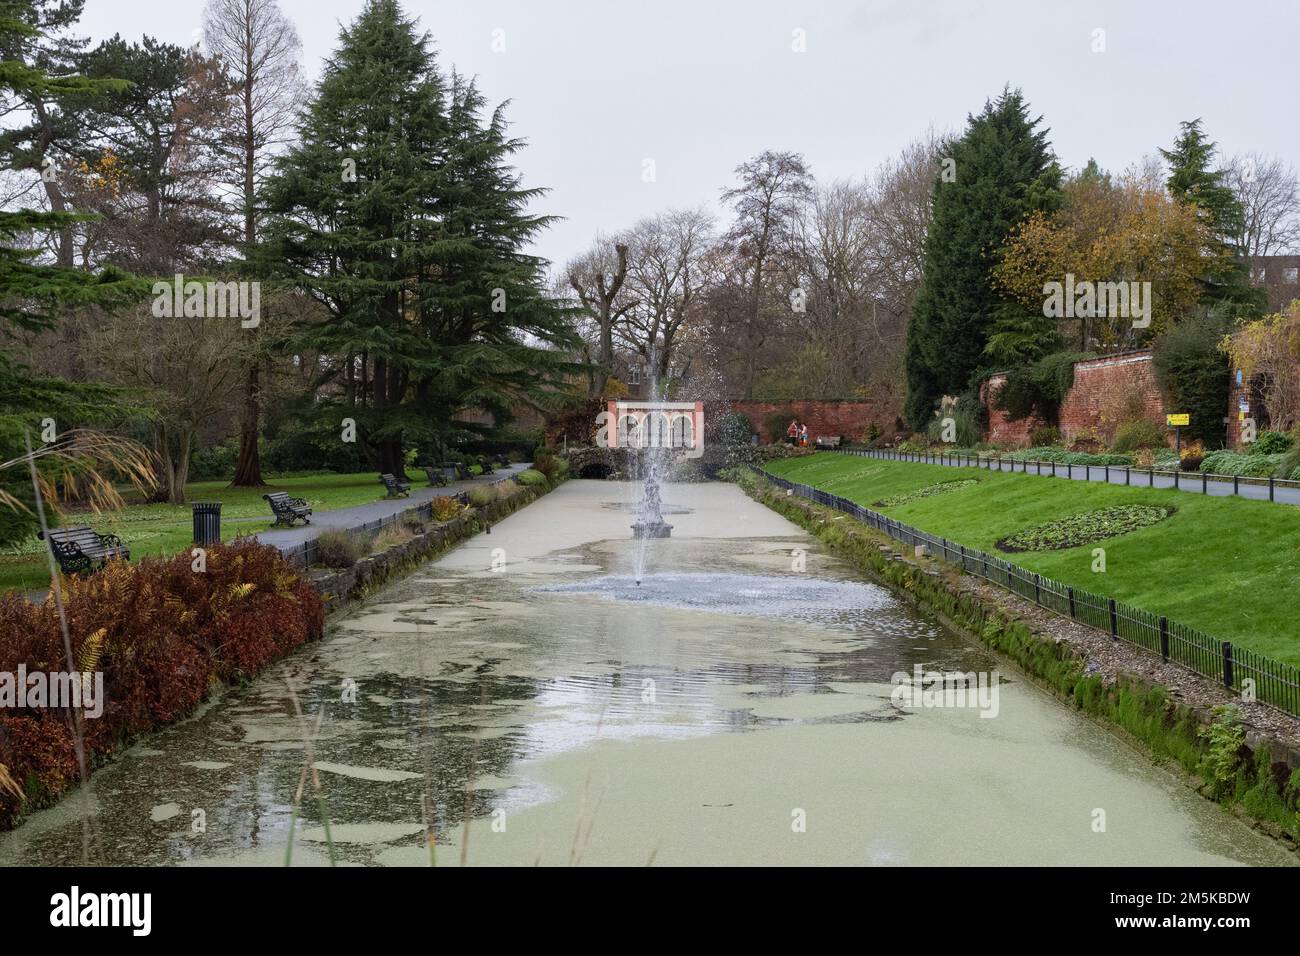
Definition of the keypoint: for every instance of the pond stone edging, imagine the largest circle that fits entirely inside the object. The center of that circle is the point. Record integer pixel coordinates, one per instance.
(340, 587)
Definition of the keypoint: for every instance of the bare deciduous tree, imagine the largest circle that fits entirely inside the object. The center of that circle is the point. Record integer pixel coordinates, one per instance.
(1269, 192)
(767, 201)
(665, 277)
(258, 50)
(597, 278)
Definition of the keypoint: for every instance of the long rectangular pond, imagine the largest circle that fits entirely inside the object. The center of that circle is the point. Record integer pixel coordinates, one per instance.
(523, 699)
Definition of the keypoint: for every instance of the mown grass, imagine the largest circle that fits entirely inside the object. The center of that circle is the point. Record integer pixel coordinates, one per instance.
(156, 529)
(1228, 566)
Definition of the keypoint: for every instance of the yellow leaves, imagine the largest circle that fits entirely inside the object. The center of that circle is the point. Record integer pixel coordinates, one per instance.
(9, 785)
(1133, 231)
(1268, 350)
(91, 650)
(241, 591)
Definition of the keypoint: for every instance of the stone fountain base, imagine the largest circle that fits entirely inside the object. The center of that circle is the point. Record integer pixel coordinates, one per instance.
(655, 529)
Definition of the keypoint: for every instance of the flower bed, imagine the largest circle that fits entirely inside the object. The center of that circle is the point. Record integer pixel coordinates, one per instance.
(926, 492)
(1085, 528)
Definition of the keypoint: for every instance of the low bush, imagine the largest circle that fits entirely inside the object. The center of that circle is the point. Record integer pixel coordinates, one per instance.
(391, 536)
(339, 549)
(1225, 462)
(445, 508)
(1063, 456)
(551, 465)
(481, 496)
(1271, 443)
(161, 634)
(1140, 434)
(1046, 435)
(530, 476)
(735, 429)
(1085, 528)
(1191, 462)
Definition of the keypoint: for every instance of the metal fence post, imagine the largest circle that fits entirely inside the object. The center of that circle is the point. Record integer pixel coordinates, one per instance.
(1227, 664)
(1114, 620)
(1236, 484)
(1205, 483)
(1070, 591)
(1038, 589)
(1069, 470)
(1053, 467)
(1128, 474)
(1270, 487)
(1087, 472)
(1151, 476)
(1177, 472)
(1108, 474)
(1164, 638)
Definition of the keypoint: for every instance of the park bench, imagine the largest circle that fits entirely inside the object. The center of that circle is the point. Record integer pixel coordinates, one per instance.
(287, 510)
(396, 488)
(80, 549)
(828, 441)
(485, 466)
(458, 471)
(437, 475)
(501, 461)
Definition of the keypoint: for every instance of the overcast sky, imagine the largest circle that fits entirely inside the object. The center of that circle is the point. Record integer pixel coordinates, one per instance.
(698, 86)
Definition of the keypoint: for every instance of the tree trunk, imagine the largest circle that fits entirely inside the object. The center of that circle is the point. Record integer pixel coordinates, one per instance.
(248, 468)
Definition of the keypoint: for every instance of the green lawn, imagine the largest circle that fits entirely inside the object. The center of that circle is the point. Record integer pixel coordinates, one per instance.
(1227, 566)
(167, 529)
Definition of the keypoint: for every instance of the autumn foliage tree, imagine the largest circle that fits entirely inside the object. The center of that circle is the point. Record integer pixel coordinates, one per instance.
(1130, 230)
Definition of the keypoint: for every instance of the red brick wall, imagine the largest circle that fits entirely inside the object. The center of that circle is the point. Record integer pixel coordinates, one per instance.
(848, 419)
(1104, 390)
(1002, 431)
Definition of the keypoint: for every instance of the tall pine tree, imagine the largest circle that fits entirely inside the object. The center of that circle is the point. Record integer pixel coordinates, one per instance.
(1193, 180)
(399, 213)
(35, 292)
(1002, 169)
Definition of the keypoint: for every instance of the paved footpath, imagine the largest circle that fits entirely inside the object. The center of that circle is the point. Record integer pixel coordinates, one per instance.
(1221, 486)
(358, 515)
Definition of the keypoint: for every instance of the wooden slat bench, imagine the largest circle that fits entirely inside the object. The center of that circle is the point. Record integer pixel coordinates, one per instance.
(79, 549)
(458, 471)
(396, 488)
(828, 441)
(287, 510)
(437, 475)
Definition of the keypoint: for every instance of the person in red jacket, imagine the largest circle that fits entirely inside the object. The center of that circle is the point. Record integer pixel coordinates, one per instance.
(792, 433)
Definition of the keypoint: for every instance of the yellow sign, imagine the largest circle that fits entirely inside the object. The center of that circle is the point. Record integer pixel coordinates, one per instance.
(1177, 420)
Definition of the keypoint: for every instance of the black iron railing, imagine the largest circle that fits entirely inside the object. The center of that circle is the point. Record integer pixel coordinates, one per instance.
(1237, 668)
(306, 554)
(1181, 480)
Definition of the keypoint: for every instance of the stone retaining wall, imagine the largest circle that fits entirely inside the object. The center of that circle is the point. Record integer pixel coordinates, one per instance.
(339, 587)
